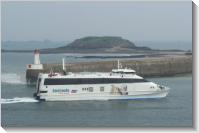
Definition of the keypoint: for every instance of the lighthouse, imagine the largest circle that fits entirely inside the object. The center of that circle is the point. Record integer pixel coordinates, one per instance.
(37, 65)
(36, 57)
(33, 70)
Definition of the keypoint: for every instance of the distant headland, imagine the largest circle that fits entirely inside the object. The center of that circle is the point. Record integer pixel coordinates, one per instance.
(96, 44)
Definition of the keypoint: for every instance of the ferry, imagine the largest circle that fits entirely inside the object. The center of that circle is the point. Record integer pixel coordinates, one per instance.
(119, 84)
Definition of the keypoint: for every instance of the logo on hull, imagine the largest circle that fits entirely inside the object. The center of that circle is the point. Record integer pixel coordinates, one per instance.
(60, 90)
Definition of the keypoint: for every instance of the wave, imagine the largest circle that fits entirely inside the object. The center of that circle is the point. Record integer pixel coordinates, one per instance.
(19, 100)
(12, 78)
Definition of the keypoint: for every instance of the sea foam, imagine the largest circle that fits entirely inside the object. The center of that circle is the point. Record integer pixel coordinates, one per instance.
(19, 100)
(12, 78)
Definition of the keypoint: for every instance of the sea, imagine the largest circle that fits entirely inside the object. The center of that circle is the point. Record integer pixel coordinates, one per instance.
(20, 109)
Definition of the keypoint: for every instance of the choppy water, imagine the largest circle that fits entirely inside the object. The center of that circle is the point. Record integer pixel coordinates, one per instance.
(19, 108)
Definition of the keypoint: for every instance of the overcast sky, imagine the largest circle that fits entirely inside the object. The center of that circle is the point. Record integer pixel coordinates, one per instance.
(66, 21)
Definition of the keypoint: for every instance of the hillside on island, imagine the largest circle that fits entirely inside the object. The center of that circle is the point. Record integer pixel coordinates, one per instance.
(100, 44)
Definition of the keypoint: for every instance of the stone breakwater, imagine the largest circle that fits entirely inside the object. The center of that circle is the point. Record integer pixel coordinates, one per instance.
(146, 67)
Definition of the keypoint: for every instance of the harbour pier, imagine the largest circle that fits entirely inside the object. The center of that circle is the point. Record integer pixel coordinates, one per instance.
(168, 65)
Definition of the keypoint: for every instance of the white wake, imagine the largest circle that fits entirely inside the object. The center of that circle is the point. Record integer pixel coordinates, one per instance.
(19, 100)
(12, 78)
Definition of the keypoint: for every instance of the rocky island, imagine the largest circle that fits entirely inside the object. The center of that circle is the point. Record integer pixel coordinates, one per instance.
(93, 44)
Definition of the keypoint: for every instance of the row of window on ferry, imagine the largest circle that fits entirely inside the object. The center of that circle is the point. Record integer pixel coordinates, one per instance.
(90, 89)
(64, 81)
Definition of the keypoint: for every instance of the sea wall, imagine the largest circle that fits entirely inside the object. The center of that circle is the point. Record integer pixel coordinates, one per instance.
(146, 67)
(31, 75)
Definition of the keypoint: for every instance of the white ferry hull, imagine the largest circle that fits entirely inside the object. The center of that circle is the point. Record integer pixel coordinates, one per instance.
(99, 87)
(153, 95)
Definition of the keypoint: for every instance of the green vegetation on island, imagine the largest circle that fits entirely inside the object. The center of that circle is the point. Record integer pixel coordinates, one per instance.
(106, 44)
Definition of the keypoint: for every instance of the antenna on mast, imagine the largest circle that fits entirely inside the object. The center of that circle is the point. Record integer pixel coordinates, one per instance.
(63, 66)
(118, 64)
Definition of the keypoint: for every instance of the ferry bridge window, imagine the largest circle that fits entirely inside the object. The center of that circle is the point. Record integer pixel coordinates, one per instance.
(38, 85)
